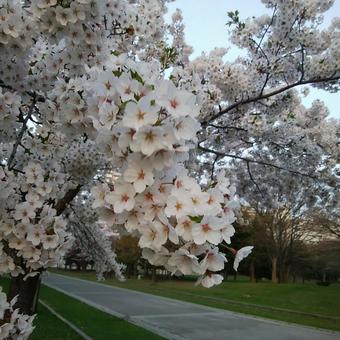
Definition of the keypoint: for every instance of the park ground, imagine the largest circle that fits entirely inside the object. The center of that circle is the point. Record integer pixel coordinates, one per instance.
(96, 324)
(305, 304)
(285, 302)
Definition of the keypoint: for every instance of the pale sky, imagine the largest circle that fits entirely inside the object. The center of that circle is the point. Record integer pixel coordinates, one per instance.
(205, 29)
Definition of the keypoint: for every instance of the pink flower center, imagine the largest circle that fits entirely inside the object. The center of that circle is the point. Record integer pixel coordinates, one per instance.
(125, 198)
(131, 133)
(206, 227)
(186, 224)
(210, 200)
(141, 175)
(108, 85)
(150, 136)
(149, 196)
(178, 206)
(174, 103)
(127, 90)
(140, 115)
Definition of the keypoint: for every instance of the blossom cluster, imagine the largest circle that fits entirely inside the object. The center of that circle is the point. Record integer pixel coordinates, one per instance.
(32, 235)
(151, 129)
(13, 324)
(260, 117)
(9, 111)
(94, 239)
(75, 107)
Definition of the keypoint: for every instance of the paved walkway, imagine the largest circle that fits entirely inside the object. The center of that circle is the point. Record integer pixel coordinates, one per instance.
(179, 320)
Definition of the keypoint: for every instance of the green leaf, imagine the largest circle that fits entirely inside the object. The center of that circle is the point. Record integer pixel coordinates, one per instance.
(197, 219)
(137, 77)
(117, 73)
(168, 57)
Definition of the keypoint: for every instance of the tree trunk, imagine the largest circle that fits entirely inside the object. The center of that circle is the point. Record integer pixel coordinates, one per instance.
(154, 275)
(324, 276)
(225, 273)
(27, 291)
(294, 277)
(235, 275)
(135, 270)
(283, 273)
(252, 271)
(286, 274)
(274, 269)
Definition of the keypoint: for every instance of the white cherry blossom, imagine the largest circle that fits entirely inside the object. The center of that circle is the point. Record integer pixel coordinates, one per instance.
(227, 232)
(186, 128)
(209, 280)
(148, 140)
(178, 103)
(50, 241)
(178, 204)
(241, 254)
(214, 201)
(24, 212)
(183, 261)
(184, 228)
(122, 198)
(213, 261)
(140, 114)
(154, 235)
(99, 193)
(139, 173)
(208, 230)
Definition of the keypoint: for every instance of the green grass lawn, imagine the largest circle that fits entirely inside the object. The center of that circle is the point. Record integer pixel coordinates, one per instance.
(307, 297)
(46, 323)
(50, 327)
(96, 324)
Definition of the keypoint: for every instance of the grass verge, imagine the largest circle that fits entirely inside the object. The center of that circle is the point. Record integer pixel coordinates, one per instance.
(94, 323)
(46, 324)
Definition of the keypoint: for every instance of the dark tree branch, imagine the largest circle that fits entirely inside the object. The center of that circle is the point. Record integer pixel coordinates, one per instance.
(213, 166)
(237, 128)
(267, 28)
(252, 178)
(69, 196)
(21, 133)
(222, 154)
(268, 95)
(265, 84)
(332, 231)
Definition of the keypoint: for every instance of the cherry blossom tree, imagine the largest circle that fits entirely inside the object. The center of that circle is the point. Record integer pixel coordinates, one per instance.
(286, 206)
(94, 239)
(94, 130)
(252, 107)
(282, 155)
(83, 96)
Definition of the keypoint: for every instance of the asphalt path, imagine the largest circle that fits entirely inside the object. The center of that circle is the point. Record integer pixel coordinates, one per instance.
(180, 320)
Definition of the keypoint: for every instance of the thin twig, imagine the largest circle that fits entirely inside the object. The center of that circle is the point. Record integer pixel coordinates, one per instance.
(237, 128)
(21, 133)
(222, 154)
(253, 180)
(268, 95)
